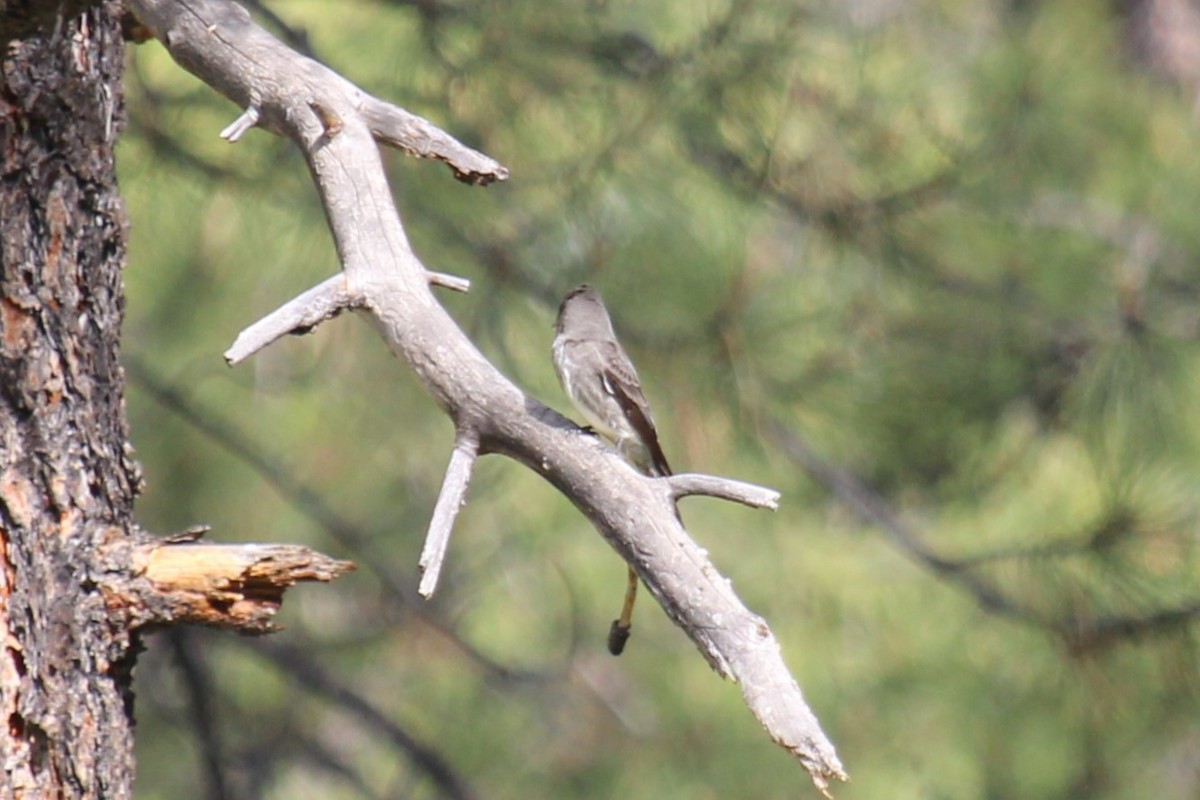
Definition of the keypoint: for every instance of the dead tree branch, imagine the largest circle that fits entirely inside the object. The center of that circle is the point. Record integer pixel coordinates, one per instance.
(336, 126)
(686, 484)
(238, 586)
(450, 500)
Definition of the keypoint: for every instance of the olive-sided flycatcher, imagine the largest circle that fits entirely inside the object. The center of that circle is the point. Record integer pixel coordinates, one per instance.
(598, 376)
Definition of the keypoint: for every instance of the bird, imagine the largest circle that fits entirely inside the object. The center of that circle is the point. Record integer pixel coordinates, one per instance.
(601, 382)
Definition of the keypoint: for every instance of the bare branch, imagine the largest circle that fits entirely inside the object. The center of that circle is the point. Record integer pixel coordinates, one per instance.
(644, 528)
(299, 315)
(308, 310)
(237, 129)
(692, 483)
(216, 40)
(449, 281)
(450, 500)
(419, 137)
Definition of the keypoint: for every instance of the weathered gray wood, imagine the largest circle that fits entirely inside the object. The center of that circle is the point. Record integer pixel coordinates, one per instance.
(299, 315)
(685, 484)
(450, 499)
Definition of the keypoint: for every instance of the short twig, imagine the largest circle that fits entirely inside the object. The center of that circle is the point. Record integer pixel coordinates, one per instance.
(448, 281)
(299, 315)
(237, 129)
(693, 483)
(450, 500)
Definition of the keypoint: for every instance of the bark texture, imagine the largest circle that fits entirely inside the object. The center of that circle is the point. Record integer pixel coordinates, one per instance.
(67, 479)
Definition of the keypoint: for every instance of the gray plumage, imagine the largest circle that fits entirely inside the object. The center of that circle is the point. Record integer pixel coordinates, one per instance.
(600, 379)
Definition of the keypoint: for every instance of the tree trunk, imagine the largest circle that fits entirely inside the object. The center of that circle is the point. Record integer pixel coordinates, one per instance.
(67, 480)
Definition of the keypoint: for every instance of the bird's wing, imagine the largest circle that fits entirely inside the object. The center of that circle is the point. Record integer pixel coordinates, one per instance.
(622, 380)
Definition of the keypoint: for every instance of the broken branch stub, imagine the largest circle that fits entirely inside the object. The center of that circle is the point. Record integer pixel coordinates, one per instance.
(234, 586)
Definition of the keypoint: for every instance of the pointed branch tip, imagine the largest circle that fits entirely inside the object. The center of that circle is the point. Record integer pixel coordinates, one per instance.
(237, 129)
(450, 499)
(299, 315)
(448, 281)
(694, 483)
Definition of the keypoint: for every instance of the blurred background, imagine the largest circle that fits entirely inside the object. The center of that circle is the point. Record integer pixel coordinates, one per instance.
(931, 269)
